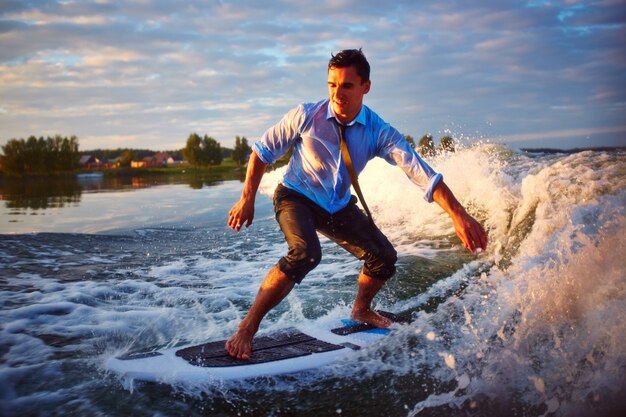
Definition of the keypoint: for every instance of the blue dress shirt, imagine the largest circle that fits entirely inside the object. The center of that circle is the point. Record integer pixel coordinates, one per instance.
(316, 168)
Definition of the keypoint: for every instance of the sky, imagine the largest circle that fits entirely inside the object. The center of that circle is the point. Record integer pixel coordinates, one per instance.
(148, 73)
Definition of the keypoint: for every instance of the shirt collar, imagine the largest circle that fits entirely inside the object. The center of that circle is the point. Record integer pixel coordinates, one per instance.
(360, 118)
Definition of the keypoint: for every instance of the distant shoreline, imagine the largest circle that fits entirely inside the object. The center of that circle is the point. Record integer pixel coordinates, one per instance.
(575, 150)
(227, 170)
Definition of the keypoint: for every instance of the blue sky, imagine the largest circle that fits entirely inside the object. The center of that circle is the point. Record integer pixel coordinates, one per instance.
(146, 74)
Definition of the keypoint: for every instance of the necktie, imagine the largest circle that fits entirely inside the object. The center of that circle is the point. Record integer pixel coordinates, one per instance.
(345, 155)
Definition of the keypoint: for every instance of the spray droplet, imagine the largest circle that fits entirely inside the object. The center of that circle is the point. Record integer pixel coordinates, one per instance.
(468, 317)
(540, 385)
(448, 359)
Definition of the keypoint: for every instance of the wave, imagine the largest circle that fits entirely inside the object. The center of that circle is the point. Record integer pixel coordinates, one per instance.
(543, 328)
(538, 322)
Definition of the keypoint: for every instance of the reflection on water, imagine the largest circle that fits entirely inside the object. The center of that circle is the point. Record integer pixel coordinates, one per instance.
(92, 203)
(40, 194)
(48, 193)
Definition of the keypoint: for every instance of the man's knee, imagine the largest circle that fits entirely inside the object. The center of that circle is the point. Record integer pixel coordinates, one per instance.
(307, 257)
(381, 264)
(300, 260)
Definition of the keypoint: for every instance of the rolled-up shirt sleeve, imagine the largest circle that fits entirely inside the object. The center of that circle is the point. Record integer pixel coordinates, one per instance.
(277, 140)
(397, 151)
(434, 180)
(263, 153)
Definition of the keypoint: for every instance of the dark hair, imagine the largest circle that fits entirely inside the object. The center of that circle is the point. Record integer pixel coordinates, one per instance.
(349, 58)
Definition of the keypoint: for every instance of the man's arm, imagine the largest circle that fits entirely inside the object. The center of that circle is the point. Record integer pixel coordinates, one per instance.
(467, 228)
(243, 210)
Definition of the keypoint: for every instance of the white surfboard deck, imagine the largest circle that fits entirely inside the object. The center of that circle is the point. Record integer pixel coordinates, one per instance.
(168, 366)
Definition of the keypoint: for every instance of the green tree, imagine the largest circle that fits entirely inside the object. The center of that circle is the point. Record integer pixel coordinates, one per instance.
(13, 157)
(202, 151)
(242, 150)
(53, 153)
(212, 151)
(34, 155)
(68, 154)
(446, 144)
(39, 155)
(410, 139)
(426, 147)
(192, 149)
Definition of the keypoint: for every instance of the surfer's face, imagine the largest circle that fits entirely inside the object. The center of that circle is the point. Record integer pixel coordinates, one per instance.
(346, 91)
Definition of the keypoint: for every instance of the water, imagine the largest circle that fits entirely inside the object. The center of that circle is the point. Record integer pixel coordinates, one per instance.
(533, 327)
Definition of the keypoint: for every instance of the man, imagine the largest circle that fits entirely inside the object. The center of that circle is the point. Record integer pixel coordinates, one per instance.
(314, 194)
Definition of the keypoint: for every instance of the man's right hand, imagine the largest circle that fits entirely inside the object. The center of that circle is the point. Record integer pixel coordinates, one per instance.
(242, 213)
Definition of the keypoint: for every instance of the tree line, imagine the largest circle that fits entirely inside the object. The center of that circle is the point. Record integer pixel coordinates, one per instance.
(426, 146)
(205, 151)
(40, 155)
(136, 153)
(61, 154)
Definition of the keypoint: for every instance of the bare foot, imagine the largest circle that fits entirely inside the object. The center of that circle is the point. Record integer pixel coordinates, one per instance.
(240, 344)
(371, 317)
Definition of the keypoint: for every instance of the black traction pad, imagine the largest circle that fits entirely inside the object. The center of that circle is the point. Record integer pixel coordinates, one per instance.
(361, 327)
(286, 344)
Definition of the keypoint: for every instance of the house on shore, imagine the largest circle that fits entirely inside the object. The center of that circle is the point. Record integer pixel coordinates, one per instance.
(92, 162)
(163, 158)
(89, 162)
(159, 159)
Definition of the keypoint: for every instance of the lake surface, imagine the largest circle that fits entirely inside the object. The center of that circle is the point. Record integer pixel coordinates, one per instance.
(94, 204)
(91, 269)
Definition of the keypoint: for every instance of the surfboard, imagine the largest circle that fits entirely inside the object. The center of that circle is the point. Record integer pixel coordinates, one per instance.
(288, 350)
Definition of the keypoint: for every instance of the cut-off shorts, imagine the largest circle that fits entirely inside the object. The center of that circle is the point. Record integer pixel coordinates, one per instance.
(300, 219)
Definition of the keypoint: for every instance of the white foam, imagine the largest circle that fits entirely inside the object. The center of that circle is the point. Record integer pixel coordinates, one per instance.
(559, 308)
(545, 325)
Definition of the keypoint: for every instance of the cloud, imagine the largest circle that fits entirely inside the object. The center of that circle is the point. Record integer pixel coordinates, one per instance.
(151, 72)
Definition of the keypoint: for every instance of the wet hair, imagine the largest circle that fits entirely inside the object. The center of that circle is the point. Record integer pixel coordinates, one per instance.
(349, 58)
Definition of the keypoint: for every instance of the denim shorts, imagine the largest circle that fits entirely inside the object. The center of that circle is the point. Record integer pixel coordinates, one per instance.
(300, 219)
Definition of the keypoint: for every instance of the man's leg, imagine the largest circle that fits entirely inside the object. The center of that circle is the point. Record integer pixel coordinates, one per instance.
(296, 221)
(273, 290)
(362, 309)
(352, 230)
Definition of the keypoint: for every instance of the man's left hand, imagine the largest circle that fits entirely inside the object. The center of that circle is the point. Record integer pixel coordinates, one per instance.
(467, 228)
(470, 231)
